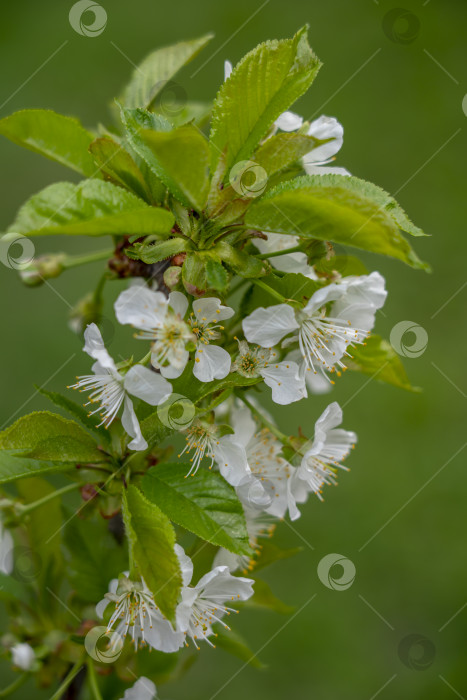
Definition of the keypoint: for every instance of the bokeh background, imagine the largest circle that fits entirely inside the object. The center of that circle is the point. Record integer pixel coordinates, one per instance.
(400, 514)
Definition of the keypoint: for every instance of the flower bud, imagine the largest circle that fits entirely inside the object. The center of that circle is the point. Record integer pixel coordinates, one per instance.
(43, 268)
(86, 311)
(172, 277)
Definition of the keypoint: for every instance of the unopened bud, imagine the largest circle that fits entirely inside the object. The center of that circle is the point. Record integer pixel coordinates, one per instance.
(172, 277)
(43, 268)
(86, 311)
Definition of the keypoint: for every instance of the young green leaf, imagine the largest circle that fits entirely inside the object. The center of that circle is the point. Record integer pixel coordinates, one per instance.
(151, 76)
(335, 208)
(281, 150)
(180, 158)
(379, 359)
(264, 598)
(78, 412)
(31, 430)
(92, 208)
(119, 167)
(216, 275)
(161, 251)
(206, 505)
(14, 467)
(263, 85)
(242, 263)
(53, 135)
(152, 540)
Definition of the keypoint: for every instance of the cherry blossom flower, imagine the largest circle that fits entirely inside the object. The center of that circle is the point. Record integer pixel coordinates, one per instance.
(204, 604)
(136, 614)
(111, 388)
(204, 440)
(6, 550)
(336, 316)
(161, 321)
(320, 463)
(282, 377)
(143, 689)
(290, 262)
(23, 656)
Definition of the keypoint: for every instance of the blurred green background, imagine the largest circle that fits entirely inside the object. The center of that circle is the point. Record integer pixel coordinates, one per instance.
(400, 513)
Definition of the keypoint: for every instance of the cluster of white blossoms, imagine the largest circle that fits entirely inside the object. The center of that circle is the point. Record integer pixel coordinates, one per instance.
(135, 613)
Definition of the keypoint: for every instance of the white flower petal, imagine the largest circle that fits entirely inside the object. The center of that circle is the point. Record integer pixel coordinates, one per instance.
(227, 69)
(312, 169)
(211, 309)
(220, 585)
(364, 295)
(101, 607)
(6, 551)
(141, 308)
(186, 565)
(131, 426)
(162, 636)
(143, 689)
(267, 326)
(286, 384)
(95, 348)
(231, 459)
(178, 303)
(289, 121)
(211, 362)
(146, 385)
(23, 656)
(325, 128)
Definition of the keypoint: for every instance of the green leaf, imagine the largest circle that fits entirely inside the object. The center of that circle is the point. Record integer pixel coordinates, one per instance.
(161, 251)
(281, 150)
(206, 504)
(234, 644)
(119, 167)
(271, 553)
(150, 77)
(47, 436)
(94, 557)
(153, 430)
(264, 598)
(53, 135)
(379, 359)
(293, 285)
(92, 208)
(216, 275)
(14, 466)
(77, 411)
(180, 158)
(152, 540)
(335, 208)
(262, 86)
(12, 590)
(242, 263)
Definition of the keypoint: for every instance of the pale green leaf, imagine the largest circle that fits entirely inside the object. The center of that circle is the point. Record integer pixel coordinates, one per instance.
(281, 150)
(334, 208)
(92, 208)
(53, 135)
(119, 167)
(152, 540)
(77, 411)
(151, 76)
(205, 504)
(216, 275)
(263, 85)
(14, 466)
(379, 359)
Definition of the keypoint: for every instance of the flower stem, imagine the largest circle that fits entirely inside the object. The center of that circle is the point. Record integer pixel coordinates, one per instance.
(68, 680)
(269, 289)
(17, 683)
(92, 678)
(276, 253)
(272, 428)
(54, 494)
(75, 261)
